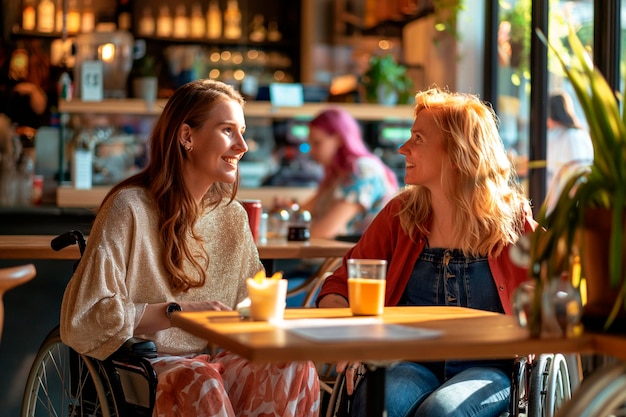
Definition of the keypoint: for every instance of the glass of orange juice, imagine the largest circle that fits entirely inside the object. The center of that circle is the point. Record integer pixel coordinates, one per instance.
(366, 286)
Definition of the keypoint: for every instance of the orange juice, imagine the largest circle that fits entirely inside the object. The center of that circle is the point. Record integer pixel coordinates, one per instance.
(366, 296)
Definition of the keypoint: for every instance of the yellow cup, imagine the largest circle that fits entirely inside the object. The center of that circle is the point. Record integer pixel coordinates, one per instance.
(366, 286)
(267, 298)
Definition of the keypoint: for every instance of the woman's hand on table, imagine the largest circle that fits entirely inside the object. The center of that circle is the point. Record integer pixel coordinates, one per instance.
(354, 373)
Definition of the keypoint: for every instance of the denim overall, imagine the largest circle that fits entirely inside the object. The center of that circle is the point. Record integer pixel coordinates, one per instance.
(470, 388)
(444, 277)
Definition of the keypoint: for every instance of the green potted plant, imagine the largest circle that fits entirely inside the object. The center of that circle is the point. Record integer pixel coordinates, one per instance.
(587, 219)
(386, 81)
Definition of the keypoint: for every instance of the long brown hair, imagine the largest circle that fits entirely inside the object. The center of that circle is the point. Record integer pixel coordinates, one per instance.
(162, 177)
(489, 202)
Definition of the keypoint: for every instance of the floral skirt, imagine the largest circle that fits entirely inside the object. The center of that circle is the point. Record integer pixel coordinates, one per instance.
(226, 385)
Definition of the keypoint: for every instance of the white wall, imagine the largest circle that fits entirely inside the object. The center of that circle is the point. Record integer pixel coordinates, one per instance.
(457, 65)
(471, 47)
(432, 54)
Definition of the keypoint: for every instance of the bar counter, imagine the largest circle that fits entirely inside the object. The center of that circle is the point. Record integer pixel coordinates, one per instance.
(38, 247)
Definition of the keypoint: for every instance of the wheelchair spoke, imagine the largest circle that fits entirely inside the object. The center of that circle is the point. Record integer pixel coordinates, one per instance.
(61, 384)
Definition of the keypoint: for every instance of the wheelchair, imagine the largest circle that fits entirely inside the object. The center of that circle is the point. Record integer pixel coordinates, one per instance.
(539, 388)
(62, 382)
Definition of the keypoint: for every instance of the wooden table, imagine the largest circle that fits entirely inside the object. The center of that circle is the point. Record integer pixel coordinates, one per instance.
(332, 251)
(466, 334)
(38, 247)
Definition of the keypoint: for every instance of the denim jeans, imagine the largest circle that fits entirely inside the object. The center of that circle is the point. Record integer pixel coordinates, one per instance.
(449, 388)
(412, 390)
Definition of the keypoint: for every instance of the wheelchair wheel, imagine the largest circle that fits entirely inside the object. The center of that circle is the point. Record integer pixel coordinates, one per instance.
(537, 393)
(558, 385)
(519, 388)
(62, 382)
(602, 394)
(549, 385)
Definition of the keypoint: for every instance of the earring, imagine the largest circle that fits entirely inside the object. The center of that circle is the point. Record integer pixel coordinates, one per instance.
(188, 148)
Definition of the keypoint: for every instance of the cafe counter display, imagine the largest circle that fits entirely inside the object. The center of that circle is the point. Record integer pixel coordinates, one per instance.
(117, 131)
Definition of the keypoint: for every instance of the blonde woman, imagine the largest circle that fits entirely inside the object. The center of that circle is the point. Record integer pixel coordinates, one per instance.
(446, 239)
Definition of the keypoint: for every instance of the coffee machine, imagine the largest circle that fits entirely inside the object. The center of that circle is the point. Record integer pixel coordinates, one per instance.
(115, 49)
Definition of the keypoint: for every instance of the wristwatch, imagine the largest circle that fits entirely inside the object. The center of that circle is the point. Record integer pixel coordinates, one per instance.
(172, 307)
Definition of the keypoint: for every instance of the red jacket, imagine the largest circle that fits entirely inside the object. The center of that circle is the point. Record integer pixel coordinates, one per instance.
(385, 239)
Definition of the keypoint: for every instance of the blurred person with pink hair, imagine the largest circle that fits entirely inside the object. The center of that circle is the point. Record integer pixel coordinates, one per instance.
(356, 183)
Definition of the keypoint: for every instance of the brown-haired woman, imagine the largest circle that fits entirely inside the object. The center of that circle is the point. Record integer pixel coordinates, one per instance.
(171, 237)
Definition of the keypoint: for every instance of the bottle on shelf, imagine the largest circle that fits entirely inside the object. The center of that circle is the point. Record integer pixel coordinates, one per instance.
(28, 15)
(124, 15)
(214, 20)
(198, 25)
(232, 20)
(258, 32)
(65, 86)
(87, 18)
(25, 173)
(58, 21)
(164, 22)
(82, 160)
(273, 33)
(73, 17)
(146, 22)
(181, 22)
(45, 16)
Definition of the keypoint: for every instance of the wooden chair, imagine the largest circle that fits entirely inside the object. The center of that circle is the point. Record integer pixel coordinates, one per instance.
(12, 277)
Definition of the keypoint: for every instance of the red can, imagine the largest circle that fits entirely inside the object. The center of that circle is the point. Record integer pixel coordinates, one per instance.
(254, 209)
(37, 192)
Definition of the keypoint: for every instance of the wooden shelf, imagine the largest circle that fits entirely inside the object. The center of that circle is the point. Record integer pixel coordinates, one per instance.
(68, 196)
(360, 111)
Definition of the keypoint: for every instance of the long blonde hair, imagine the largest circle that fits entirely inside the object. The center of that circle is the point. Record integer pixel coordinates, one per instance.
(489, 204)
(162, 177)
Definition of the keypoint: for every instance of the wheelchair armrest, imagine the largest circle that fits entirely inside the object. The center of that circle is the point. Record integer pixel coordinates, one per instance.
(135, 348)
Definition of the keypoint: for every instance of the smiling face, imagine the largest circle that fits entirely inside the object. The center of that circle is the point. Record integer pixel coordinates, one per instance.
(425, 152)
(216, 147)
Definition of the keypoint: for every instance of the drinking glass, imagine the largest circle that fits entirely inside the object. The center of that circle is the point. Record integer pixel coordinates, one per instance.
(366, 286)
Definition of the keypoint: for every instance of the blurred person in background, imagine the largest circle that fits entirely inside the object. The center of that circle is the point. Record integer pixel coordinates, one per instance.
(567, 140)
(356, 183)
(24, 73)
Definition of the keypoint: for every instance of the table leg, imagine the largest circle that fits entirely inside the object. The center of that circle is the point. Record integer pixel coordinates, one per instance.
(376, 391)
